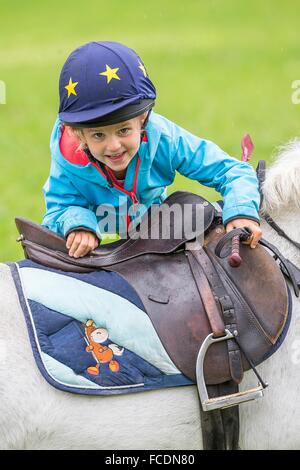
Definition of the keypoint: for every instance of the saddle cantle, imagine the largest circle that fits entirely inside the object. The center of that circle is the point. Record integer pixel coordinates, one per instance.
(187, 291)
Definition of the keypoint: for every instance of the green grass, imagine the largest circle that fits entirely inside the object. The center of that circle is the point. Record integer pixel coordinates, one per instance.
(222, 68)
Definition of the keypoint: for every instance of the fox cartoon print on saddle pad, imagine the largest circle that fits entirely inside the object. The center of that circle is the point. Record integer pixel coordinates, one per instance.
(89, 332)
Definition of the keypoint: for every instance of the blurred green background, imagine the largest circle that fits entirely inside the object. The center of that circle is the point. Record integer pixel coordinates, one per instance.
(221, 67)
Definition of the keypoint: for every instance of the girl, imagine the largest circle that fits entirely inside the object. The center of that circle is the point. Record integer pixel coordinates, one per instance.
(113, 157)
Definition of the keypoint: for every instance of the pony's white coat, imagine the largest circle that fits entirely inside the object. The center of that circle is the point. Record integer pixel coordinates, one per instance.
(34, 415)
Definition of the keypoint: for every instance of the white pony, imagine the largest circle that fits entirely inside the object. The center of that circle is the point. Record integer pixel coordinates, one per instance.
(34, 415)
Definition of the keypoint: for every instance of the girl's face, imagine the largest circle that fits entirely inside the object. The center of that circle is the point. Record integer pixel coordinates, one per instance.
(117, 144)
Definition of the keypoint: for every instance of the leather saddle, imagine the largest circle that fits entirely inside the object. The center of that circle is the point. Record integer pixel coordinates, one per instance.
(192, 296)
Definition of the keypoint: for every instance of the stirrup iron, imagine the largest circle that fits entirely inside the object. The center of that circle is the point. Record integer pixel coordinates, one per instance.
(209, 404)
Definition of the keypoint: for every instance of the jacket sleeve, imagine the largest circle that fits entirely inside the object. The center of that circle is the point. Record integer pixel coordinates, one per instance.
(66, 208)
(205, 162)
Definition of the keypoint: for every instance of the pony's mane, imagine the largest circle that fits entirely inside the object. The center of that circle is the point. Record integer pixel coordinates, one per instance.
(281, 188)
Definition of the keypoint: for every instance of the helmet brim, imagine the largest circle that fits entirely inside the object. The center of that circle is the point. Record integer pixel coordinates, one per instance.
(119, 115)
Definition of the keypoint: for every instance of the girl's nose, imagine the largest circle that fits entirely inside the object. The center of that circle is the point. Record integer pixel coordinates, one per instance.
(113, 144)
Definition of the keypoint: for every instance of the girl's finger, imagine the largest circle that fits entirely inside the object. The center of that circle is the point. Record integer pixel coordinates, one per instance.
(70, 239)
(256, 236)
(75, 244)
(96, 243)
(82, 248)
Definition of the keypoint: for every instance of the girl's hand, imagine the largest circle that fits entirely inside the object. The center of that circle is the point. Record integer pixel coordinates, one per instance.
(81, 242)
(252, 225)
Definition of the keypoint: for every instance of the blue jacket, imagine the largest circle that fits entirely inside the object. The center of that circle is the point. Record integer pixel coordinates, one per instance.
(78, 193)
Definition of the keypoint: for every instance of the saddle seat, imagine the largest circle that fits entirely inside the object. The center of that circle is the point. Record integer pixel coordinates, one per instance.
(177, 293)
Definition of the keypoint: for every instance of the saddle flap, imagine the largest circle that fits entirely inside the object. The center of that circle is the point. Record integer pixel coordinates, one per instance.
(260, 290)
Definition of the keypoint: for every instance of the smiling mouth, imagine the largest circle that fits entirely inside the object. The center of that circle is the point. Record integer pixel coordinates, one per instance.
(116, 158)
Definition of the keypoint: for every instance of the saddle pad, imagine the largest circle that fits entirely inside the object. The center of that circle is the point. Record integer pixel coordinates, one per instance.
(90, 333)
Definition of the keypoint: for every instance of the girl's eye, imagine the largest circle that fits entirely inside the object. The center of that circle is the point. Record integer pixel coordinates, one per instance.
(98, 135)
(124, 131)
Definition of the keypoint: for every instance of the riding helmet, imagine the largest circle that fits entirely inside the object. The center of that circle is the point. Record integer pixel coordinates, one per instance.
(103, 83)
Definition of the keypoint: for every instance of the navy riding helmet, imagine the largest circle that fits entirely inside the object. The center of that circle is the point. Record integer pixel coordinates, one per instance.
(103, 83)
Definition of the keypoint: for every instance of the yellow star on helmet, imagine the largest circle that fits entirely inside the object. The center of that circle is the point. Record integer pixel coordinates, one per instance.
(110, 73)
(71, 88)
(142, 67)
